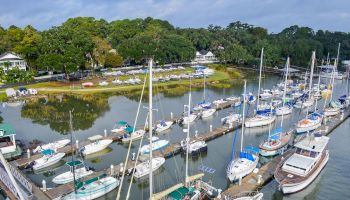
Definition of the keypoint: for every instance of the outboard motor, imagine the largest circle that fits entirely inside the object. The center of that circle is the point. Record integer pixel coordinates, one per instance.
(30, 165)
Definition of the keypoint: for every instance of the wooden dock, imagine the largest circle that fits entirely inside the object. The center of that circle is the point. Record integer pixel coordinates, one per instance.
(251, 182)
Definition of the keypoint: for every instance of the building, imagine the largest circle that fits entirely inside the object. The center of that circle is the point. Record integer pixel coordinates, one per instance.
(9, 60)
(204, 56)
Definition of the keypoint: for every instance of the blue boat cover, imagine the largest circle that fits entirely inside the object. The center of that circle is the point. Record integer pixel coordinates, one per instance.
(252, 149)
(162, 123)
(313, 116)
(122, 123)
(247, 155)
(47, 152)
(275, 134)
(251, 98)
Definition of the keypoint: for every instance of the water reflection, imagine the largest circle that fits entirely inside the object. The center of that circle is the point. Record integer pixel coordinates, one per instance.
(53, 111)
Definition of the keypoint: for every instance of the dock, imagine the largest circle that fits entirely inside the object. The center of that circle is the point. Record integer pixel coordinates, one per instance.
(254, 181)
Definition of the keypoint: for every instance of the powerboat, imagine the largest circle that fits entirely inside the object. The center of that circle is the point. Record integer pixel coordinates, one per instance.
(132, 135)
(143, 168)
(97, 144)
(189, 119)
(260, 120)
(120, 126)
(195, 147)
(219, 102)
(301, 168)
(68, 176)
(232, 118)
(50, 157)
(208, 112)
(163, 125)
(53, 145)
(156, 145)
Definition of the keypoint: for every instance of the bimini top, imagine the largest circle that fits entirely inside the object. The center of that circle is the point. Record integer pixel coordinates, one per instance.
(314, 116)
(122, 122)
(47, 152)
(247, 155)
(74, 163)
(275, 134)
(6, 130)
(312, 143)
(129, 129)
(80, 184)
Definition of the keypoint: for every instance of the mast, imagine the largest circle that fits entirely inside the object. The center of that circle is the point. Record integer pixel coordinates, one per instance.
(204, 88)
(243, 115)
(334, 69)
(71, 139)
(337, 60)
(261, 64)
(188, 135)
(285, 89)
(312, 72)
(318, 90)
(150, 129)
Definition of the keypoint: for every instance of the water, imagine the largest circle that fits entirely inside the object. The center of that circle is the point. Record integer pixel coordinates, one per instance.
(48, 121)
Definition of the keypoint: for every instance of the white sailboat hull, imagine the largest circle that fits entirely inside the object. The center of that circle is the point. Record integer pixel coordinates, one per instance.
(292, 188)
(245, 168)
(208, 113)
(143, 169)
(189, 119)
(257, 121)
(161, 128)
(284, 110)
(331, 111)
(313, 126)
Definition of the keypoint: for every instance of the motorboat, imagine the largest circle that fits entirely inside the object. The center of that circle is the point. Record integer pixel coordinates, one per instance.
(68, 176)
(195, 147)
(266, 94)
(93, 188)
(260, 120)
(120, 126)
(233, 98)
(249, 196)
(156, 145)
(232, 118)
(53, 145)
(50, 157)
(300, 168)
(189, 119)
(132, 135)
(163, 125)
(311, 122)
(143, 168)
(208, 112)
(284, 110)
(97, 144)
(243, 165)
(219, 102)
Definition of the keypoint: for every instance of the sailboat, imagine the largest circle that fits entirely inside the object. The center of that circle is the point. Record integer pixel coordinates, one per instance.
(163, 125)
(248, 158)
(286, 108)
(74, 172)
(263, 117)
(314, 119)
(333, 108)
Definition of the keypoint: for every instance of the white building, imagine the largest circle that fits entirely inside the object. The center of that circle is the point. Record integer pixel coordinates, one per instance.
(204, 56)
(10, 60)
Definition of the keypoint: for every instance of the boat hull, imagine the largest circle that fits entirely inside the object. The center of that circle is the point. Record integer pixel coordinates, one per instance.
(258, 123)
(43, 162)
(308, 128)
(95, 147)
(296, 187)
(235, 176)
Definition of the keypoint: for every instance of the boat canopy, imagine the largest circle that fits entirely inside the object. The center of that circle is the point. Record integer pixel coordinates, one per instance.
(252, 149)
(80, 184)
(275, 134)
(47, 152)
(247, 155)
(122, 123)
(129, 129)
(6, 130)
(74, 163)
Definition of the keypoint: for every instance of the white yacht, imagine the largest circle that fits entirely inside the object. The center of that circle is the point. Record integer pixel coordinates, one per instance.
(260, 120)
(156, 145)
(297, 171)
(163, 125)
(50, 157)
(97, 144)
(68, 176)
(143, 168)
(195, 147)
(53, 145)
(189, 119)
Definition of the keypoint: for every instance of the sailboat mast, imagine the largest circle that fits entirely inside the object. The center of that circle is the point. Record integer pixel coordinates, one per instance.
(150, 128)
(312, 72)
(72, 157)
(204, 88)
(259, 87)
(333, 73)
(318, 90)
(243, 114)
(188, 135)
(285, 89)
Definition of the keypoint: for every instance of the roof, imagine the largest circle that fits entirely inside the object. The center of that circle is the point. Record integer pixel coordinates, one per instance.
(6, 130)
(313, 143)
(9, 56)
(203, 52)
(297, 160)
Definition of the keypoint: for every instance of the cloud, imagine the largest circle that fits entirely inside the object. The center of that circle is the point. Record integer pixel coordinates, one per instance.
(272, 14)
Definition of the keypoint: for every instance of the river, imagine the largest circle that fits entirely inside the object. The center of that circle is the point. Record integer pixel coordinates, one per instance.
(47, 121)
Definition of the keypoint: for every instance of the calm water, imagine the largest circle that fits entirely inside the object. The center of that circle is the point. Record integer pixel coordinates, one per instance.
(48, 121)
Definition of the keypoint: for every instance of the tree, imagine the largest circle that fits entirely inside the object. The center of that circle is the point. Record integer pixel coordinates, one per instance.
(113, 60)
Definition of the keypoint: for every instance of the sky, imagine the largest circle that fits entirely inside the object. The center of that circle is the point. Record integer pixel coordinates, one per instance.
(275, 15)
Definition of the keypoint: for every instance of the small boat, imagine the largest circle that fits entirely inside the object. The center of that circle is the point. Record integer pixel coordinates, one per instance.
(311, 122)
(251, 98)
(266, 94)
(301, 168)
(232, 118)
(195, 147)
(53, 145)
(244, 164)
(120, 126)
(97, 144)
(143, 168)
(284, 110)
(156, 145)
(68, 176)
(117, 82)
(219, 101)
(260, 120)
(208, 112)
(93, 188)
(103, 83)
(87, 84)
(163, 125)
(202, 106)
(276, 143)
(132, 135)
(233, 98)
(49, 158)
(304, 103)
(189, 119)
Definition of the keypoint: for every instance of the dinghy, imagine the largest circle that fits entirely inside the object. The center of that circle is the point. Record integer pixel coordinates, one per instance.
(96, 145)
(49, 158)
(68, 176)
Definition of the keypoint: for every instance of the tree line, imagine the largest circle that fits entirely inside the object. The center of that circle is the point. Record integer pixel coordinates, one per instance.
(86, 42)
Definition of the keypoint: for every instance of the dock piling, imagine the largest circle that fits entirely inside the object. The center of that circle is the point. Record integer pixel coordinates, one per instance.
(44, 185)
(196, 133)
(77, 144)
(240, 181)
(259, 178)
(105, 132)
(28, 153)
(171, 115)
(112, 170)
(211, 128)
